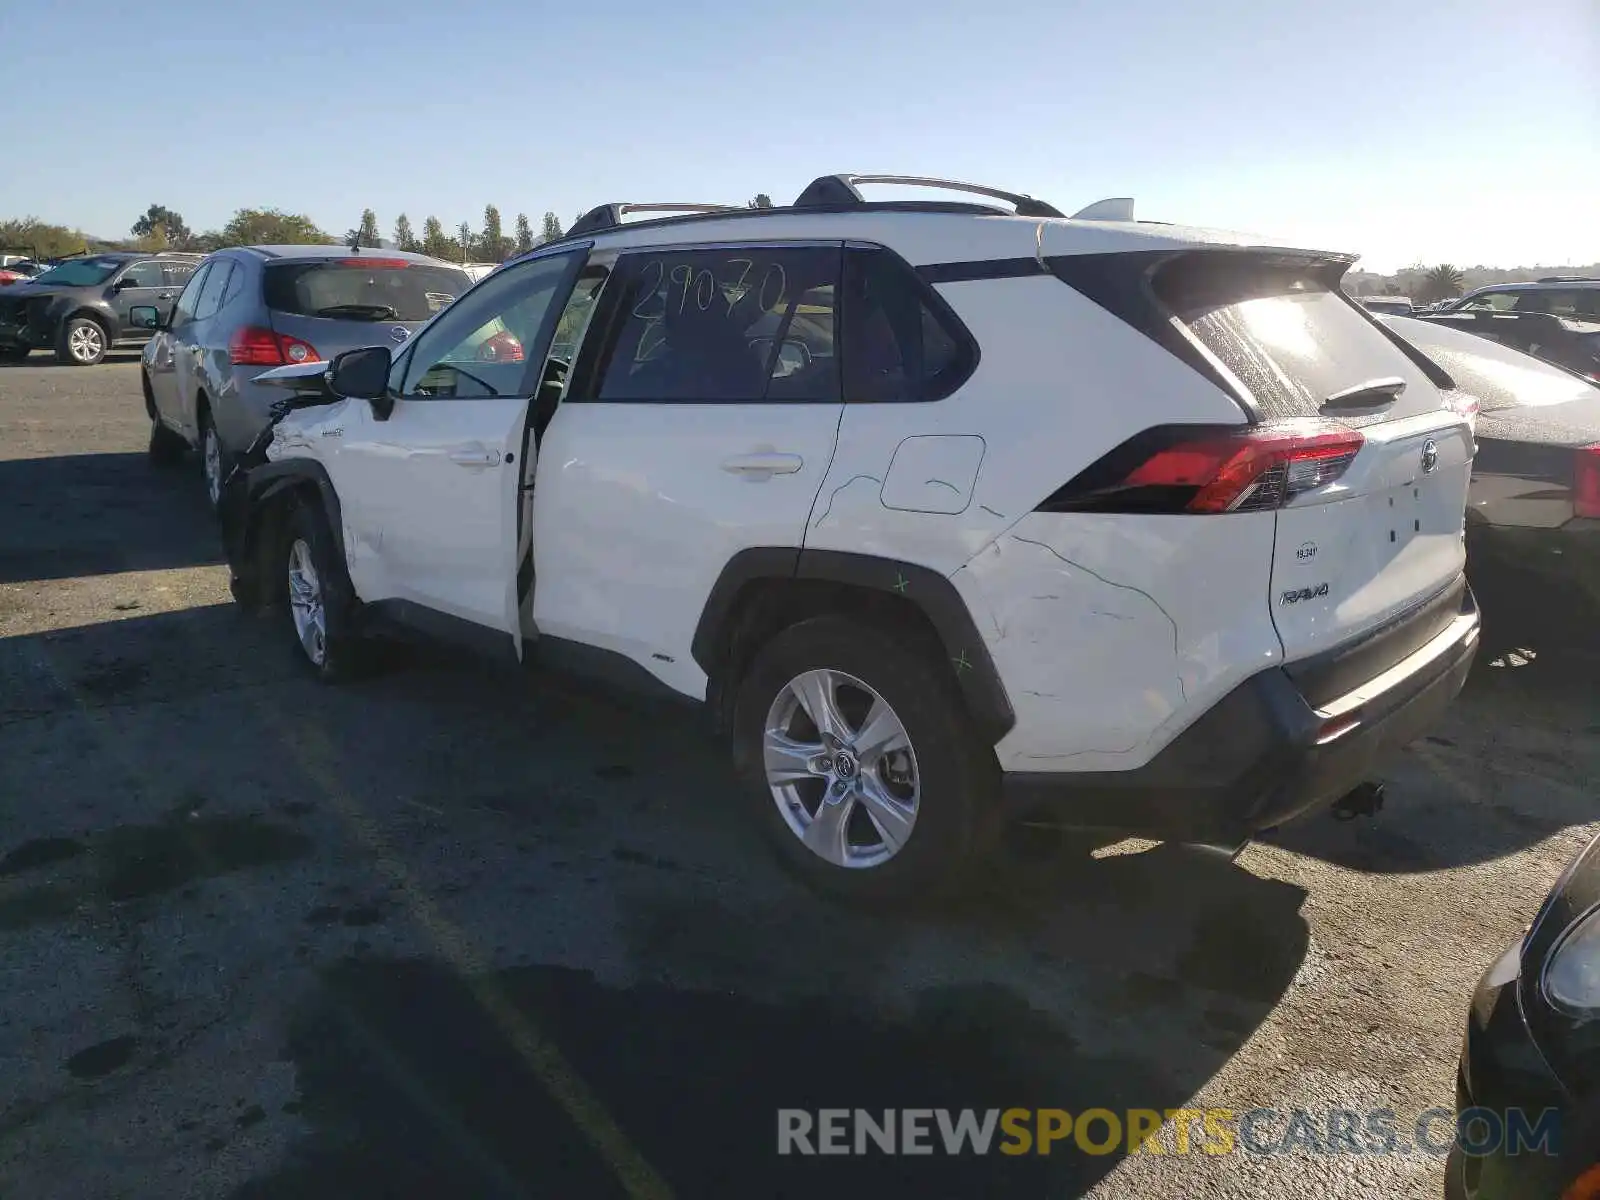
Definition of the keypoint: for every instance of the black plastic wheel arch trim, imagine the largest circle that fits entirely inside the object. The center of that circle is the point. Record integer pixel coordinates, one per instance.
(932, 593)
(244, 502)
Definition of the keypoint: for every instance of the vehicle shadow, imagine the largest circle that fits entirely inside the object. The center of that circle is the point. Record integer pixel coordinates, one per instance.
(44, 358)
(99, 514)
(658, 990)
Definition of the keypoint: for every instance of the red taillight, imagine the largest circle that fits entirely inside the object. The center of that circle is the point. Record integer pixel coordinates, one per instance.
(1586, 482)
(502, 347)
(392, 264)
(1243, 470)
(253, 346)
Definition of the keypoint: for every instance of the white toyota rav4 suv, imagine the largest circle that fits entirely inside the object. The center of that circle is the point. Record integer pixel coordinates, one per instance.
(949, 512)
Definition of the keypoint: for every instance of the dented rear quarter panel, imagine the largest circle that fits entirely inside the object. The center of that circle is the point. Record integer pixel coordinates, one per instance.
(1113, 633)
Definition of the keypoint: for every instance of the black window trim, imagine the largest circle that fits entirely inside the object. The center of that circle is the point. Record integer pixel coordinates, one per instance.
(943, 313)
(605, 325)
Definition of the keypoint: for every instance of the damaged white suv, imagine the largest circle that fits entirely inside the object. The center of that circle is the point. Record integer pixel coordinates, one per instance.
(949, 512)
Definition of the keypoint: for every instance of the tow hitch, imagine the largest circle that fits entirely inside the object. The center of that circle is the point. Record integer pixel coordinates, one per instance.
(1363, 800)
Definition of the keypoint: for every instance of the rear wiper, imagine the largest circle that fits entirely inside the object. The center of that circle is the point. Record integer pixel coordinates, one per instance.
(1374, 393)
(369, 312)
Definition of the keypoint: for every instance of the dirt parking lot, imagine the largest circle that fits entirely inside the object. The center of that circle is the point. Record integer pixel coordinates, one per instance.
(449, 932)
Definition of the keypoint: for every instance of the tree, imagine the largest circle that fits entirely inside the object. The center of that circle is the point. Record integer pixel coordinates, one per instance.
(494, 246)
(404, 239)
(550, 229)
(464, 241)
(524, 234)
(33, 236)
(1441, 283)
(272, 227)
(761, 200)
(366, 234)
(161, 225)
(434, 241)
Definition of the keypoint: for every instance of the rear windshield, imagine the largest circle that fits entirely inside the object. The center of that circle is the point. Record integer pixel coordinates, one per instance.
(362, 290)
(1287, 333)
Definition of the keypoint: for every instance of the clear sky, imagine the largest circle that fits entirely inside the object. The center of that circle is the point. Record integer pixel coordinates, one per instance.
(1438, 130)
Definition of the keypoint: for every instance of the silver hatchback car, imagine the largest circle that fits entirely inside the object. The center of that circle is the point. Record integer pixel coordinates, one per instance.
(248, 309)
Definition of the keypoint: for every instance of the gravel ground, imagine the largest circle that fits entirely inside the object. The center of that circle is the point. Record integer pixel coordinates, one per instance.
(454, 932)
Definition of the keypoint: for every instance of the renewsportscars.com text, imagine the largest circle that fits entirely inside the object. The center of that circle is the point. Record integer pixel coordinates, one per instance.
(1214, 1131)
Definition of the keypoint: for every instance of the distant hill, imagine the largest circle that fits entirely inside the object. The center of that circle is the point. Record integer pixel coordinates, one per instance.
(1406, 282)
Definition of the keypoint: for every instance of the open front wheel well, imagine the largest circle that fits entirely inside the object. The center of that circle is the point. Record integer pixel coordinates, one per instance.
(257, 538)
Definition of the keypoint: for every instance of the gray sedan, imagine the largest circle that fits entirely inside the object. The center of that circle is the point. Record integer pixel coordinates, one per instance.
(251, 308)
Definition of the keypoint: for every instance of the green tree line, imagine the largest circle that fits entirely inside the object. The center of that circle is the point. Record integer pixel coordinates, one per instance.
(163, 228)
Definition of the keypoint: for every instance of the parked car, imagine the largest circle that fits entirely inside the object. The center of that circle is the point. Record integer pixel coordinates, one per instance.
(81, 307)
(18, 270)
(250, 308)
(1556, 319)
(1393, 306)
(1531, 1048)
(1533, 509)
(1119, 525)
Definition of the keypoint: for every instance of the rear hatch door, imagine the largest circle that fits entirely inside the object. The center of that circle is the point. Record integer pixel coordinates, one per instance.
(339, 304)
(1381, 544)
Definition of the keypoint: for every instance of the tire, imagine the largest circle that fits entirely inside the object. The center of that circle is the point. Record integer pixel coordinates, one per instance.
(321, 604)
(947, 781)
(215, 461)
(166, 447)
(14, 354)
(82, 342)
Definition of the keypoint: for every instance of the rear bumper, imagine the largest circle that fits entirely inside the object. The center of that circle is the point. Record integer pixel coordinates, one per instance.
(1264, 753)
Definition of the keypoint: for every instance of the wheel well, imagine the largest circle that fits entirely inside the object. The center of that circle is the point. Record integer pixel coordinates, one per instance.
(89, 314)
(270, 534)
(764, 608)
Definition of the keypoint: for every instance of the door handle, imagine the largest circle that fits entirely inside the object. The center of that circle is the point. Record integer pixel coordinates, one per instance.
(164, 296)
(477, 457)
(763, 465)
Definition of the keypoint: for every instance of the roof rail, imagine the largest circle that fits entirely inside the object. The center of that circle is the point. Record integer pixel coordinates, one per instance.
(609, 216)
(836, 191)
(1570, 279)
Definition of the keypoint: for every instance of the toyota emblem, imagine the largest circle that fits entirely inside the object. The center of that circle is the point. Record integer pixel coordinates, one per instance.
(1430, 457)
(399, 333)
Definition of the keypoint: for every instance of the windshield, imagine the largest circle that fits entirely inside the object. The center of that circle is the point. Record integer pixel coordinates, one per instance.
(81, 272)
(363, 289)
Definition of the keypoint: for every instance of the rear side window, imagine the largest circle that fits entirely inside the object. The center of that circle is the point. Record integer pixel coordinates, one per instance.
(900, 342)
(191, 292)
(741, 325)
(145, 275)
(211, 292)
(177, 273)
(1287, 333)
(362, 289)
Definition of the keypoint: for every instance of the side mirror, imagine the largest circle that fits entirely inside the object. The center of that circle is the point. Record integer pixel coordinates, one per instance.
(124, 283)
(363, 375)
(145, 316)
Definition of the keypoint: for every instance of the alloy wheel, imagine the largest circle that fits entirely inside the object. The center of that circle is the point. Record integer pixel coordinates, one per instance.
(86, 342)
(305, 603)
(841, 769)
(212, 454)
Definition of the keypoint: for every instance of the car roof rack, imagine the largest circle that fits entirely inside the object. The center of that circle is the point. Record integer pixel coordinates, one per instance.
(1570, 279)
(841, 191)
(609, 216)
